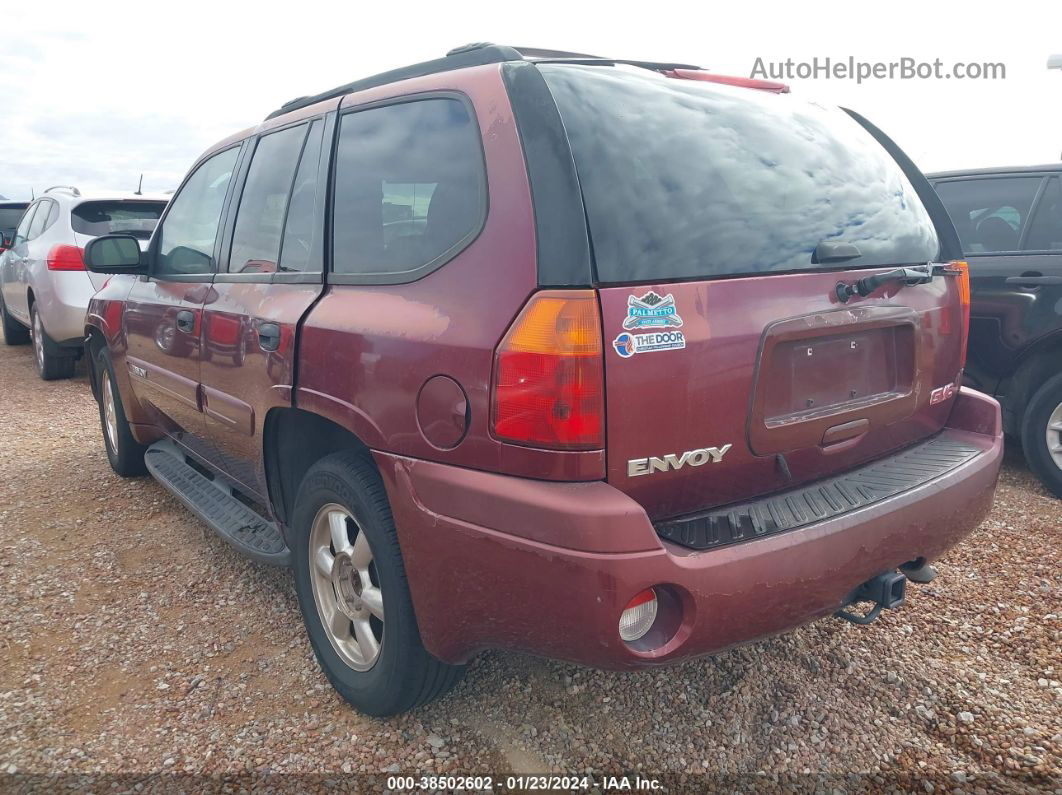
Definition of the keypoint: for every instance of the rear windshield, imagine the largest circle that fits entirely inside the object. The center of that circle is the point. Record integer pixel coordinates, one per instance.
(9, 216)
(687, 180)
(106, 217)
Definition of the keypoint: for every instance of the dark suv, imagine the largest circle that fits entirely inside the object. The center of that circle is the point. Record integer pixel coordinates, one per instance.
(1010, 223)
(603, 360)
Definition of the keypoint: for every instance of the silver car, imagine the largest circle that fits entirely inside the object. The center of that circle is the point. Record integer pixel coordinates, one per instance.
(44, 287)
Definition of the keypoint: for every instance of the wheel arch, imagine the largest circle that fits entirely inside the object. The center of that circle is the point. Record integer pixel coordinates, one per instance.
(94, 343)
(305, 438)
(1043, 361)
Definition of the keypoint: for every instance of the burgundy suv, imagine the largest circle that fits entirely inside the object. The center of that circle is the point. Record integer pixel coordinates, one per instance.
(609, 361)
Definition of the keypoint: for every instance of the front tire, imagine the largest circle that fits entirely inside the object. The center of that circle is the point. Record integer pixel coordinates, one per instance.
(50, 367)
(1041, 434)
(353, 594)
(125, 454)
(14, 332)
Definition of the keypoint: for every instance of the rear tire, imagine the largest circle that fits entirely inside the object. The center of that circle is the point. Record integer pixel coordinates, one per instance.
(125, 454)
(1041, 434)
(50, 367)
(14, 332)
(390, 671)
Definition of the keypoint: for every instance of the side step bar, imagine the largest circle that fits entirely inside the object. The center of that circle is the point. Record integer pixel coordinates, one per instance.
(213, 502)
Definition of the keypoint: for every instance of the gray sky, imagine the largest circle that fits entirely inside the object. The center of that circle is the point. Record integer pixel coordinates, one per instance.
(93, 94)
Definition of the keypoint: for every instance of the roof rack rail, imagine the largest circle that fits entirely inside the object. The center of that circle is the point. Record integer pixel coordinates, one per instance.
(72, 190)
(468, 55)
(475, 54)
(537, 52)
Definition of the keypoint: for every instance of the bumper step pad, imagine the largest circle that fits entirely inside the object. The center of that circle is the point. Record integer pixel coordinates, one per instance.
(824, 500)
(243, 528)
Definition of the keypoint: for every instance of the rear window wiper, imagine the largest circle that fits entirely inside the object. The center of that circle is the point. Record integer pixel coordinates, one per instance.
(868, 284)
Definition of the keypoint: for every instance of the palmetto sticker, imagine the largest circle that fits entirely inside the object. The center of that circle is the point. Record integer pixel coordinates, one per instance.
(651, 311)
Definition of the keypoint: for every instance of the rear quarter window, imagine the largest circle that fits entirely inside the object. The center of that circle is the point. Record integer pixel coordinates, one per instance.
(410, 188)
(137, 218)
(685, 180)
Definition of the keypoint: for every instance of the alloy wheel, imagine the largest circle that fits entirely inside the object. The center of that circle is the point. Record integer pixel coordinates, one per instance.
(110, 415)
(1054, 435)
(38, 340)
(346, 587)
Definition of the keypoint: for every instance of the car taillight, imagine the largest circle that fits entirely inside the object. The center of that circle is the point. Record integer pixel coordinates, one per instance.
(65, 258)
(962, 270)
(549, 375)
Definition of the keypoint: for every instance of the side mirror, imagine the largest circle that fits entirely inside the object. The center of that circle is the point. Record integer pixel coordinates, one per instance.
(5, 240)
(114, 254)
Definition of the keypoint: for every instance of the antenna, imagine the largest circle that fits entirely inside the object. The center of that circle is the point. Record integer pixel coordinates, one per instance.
(33, 195)
(140, 187)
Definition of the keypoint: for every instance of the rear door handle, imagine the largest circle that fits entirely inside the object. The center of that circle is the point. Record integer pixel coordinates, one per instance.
(269, 336)
(1034, 281)
(186, 321)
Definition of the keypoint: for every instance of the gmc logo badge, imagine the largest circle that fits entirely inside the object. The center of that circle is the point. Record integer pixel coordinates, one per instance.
(942, 393)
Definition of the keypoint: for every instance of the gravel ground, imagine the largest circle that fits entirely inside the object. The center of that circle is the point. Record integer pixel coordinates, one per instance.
(136, 642)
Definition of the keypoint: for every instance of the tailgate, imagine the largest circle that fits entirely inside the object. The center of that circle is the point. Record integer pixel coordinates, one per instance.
(736, 388)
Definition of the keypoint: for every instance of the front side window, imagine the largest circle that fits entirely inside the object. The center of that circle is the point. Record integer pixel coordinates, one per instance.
(989, 214)
(410, 187)
(187, 236)
(1045, 228)
(260, 218)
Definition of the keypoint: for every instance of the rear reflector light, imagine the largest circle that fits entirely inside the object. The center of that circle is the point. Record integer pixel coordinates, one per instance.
(638, 616)
(962, 269)
(549, 375)
(65, 258)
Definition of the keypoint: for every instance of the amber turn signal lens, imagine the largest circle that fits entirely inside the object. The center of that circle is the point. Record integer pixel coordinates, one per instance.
(549, 375)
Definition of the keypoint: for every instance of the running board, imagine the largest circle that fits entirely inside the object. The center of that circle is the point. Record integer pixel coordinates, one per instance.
(213, 502)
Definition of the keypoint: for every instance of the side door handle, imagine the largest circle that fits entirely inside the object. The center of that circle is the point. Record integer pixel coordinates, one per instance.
(186, 321)
(268, 336)
(1034, 281)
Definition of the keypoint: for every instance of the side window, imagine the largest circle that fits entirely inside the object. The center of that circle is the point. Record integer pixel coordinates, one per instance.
(22, 233)
(410, 187)
(260, 218)
(53, 216)
(187, 236)
(299, 227)
(989, 214)
(40, 218)
(1045, 229)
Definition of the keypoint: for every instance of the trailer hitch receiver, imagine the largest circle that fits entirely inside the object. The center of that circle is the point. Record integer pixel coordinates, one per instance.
(886, 591)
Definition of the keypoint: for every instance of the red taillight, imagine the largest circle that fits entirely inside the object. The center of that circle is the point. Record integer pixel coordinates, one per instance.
(65, 258)
(549, 374)
(962, 269)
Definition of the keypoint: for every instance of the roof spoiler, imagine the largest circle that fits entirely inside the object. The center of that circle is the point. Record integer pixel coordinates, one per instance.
(730, 80)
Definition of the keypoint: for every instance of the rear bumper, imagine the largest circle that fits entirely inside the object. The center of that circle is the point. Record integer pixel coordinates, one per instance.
(547, 568)
(62, 304)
